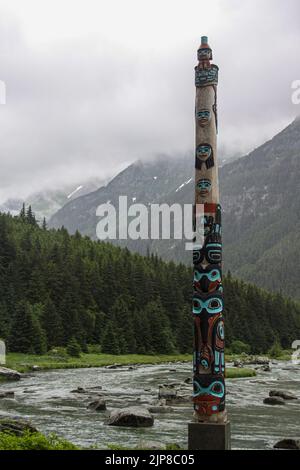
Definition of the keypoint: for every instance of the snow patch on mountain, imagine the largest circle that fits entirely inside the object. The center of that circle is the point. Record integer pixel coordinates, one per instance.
(75, 191)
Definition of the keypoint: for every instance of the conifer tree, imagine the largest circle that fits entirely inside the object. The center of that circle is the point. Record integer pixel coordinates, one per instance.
(52, 325)
(73, 348)
(110, 343)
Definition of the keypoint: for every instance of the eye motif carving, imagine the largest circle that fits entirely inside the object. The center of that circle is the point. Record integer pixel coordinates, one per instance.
(208, 279)
(209, 394)
(210, 304)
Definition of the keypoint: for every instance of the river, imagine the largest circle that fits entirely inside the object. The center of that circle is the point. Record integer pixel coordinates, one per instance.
(46, 399)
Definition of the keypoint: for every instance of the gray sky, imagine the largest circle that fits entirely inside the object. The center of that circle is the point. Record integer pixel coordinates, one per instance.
(93, 85)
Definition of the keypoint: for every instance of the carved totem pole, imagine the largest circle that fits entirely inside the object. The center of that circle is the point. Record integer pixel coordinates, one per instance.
(208, 360)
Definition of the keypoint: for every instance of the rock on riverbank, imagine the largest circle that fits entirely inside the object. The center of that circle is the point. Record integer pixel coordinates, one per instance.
(9, 374)
(133, 417)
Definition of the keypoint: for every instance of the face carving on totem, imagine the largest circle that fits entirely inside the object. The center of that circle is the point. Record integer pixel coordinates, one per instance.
(208, 279)
(203, 152)
(204, 187)
(204, 53)
(207, 304)
(203, 116)
(209, 394)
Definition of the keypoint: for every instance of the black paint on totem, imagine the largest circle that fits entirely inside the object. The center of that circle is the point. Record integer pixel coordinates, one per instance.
(208, 303)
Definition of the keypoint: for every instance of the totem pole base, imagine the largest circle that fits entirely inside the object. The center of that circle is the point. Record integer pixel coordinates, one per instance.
(209, 436)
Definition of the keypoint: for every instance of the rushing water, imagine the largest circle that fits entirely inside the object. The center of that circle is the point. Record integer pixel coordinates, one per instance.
(46, 399)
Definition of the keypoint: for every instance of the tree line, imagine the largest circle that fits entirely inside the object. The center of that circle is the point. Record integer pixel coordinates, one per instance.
(58, 289)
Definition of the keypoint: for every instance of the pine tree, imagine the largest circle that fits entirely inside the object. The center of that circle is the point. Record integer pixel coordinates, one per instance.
(26, 334)
(110, 343)
(162, 338)
(51, 323)
(23, 212)
(30, 217)
(73, 348)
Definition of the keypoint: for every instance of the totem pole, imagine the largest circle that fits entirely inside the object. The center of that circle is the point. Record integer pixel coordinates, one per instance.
(208, 358)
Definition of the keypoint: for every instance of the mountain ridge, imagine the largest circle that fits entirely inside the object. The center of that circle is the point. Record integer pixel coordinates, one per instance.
(260, 201)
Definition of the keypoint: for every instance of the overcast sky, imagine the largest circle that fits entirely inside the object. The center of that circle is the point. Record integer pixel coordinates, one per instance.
(93, 85)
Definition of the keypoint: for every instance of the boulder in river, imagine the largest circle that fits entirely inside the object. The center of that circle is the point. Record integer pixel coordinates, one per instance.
(167, 392)
(178, 400)
(284, 395)
(160, 409)
(293, 444)
(9, 374)
(8, 394)
(238, 363)
(274, 401)
(97, 405)
(261, 360)
(16, 426)
(133, 416)
(79, 390)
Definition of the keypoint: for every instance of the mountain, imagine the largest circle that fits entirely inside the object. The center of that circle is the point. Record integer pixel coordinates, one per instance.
(142, 183)
(260, 200)
(58, 290)
(47, 202)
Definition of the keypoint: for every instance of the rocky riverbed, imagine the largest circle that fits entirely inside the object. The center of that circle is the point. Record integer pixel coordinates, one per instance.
(61, 401)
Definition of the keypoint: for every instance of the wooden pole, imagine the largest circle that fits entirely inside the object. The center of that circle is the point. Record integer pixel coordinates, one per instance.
(208, 358)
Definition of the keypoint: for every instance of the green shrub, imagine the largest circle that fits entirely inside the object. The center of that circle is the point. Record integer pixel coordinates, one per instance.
(94, 348)
(275, 350)
(34, 441)
(239, 347)
(58, 353)
(73, 348)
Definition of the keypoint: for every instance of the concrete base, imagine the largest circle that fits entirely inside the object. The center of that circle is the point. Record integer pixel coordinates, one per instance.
(209, 436)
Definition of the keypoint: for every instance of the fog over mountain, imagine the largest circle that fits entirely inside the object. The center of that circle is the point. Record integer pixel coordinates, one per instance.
(92, 86)
(260, 200)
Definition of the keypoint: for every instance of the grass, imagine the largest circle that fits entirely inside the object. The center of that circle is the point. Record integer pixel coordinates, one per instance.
(239, 372)
(38, 441)
(24, 362)
(34, 441)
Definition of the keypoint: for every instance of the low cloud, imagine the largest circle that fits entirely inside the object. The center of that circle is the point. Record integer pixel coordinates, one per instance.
(91, 102)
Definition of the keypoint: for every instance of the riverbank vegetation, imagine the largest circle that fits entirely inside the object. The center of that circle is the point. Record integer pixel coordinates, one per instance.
(29, 362)
(34, 441)
(58, 290)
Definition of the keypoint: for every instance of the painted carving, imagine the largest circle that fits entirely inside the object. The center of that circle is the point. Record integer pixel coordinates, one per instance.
(204, 156)
(209, 394)
(204, 54)
(206, 77)
(207, 280)
(203, 187)
(208, 302)
(203, 116)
